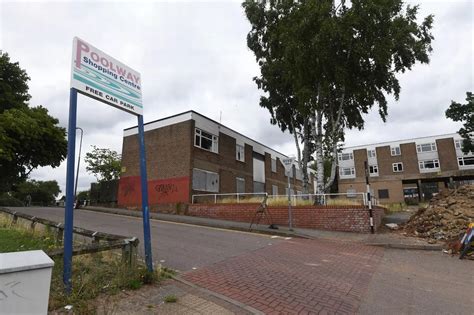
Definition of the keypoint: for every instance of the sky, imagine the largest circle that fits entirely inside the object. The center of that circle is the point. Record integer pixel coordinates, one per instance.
(192, 55)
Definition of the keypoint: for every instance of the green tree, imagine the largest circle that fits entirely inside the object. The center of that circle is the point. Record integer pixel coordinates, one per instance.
(323, 66)
(103, 163)
(83, 195)
(465, 114)
(29, 136)
(42, 192)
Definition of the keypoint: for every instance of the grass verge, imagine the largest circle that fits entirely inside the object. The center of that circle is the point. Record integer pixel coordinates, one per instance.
(93, 275)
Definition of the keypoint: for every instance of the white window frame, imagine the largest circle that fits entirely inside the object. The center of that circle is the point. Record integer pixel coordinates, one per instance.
(375, 170)
(342, 173)
(240, 153)
(396, 168)
(371, 153)
(345, 156)
(432, 148)
(198, 134)
(462, 158)
(395, 151)
(422, 165)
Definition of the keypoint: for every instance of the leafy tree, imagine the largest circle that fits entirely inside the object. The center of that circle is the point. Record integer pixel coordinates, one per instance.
(103, 163)
(83, 195)
(465, 114)
(43, 192)
(323, 66)
(29, 136)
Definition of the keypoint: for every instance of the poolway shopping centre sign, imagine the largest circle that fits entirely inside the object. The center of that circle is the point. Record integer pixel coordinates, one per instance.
(104, 78)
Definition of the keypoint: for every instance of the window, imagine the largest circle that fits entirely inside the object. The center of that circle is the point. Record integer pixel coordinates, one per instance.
(397, 167)
(205, 181)
(258, 187)
(346, 171)
(274, 190)
(374, 170)
(274, 165)
(458, 144)
(466, 160)
(395, 151)
(240, 185)
(426, 147)
(383, 194)
(205, 141)
(240, 153)
(371, 154)
(428, 164)
(345, 156)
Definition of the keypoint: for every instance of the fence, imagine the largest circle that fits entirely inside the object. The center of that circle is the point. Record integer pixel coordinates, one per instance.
(99, 241)
(337, 199)
(229, 198)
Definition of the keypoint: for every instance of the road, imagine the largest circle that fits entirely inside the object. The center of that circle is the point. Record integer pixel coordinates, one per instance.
(181, 247)
(275, 275)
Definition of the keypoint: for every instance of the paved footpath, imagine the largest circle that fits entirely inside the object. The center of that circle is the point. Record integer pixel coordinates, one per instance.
(295, 277)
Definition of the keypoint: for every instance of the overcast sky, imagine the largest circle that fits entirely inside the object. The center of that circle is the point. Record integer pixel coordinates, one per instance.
(193, 55)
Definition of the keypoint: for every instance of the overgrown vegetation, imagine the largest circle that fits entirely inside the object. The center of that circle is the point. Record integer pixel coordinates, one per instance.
(96, 274)
(93, 274)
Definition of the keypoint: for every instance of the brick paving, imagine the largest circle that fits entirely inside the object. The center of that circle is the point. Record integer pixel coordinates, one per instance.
(295, 277)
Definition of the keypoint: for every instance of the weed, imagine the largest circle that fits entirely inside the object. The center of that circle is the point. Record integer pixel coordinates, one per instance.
(171, 299)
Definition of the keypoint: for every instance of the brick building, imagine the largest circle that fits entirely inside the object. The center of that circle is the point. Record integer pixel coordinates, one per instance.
(406, 170)
(189, 154)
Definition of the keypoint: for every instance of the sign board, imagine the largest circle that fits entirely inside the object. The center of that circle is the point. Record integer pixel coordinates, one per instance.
(104, 78)
(288, 163)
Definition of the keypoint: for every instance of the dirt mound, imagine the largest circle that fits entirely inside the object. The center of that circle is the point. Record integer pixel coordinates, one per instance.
(446, 217)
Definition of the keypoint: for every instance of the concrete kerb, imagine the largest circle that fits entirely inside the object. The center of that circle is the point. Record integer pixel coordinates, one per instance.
(219, 296)
(259, 230)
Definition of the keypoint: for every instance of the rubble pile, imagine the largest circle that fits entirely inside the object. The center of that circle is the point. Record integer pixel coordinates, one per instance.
(446, 217)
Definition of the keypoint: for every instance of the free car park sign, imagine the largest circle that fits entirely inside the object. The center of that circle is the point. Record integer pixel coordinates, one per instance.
(104, 78)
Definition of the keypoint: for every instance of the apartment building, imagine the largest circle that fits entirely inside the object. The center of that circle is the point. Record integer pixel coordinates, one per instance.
(406, 170)
(190, 154)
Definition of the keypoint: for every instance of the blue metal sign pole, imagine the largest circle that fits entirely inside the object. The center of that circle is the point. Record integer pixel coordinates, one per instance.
(144, 185)
(68, 213)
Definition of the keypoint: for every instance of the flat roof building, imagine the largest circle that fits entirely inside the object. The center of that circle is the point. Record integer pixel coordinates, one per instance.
(190, 154)
(406, 170)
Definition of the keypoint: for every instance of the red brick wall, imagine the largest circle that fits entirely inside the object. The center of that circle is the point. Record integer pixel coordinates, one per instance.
(160, 191)
(333, 218)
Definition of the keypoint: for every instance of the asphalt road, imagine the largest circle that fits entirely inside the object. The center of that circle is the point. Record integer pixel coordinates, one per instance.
(175, 245)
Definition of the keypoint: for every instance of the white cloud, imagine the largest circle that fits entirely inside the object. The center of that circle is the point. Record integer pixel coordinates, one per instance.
(193, 55)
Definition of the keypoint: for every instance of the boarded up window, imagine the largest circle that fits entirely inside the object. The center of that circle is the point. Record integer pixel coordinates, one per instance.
(240, 184)
(258, 168)
(205, 181)
(258, 187)
(274, 190)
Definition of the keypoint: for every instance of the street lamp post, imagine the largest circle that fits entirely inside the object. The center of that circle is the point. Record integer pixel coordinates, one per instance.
(78, 161)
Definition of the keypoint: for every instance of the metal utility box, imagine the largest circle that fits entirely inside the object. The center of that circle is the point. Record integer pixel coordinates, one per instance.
(25, 279)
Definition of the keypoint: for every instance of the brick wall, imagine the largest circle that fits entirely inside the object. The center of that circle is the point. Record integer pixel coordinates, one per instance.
(333, 218)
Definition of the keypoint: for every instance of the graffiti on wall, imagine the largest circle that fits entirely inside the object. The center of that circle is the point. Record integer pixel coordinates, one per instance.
(170, 190)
